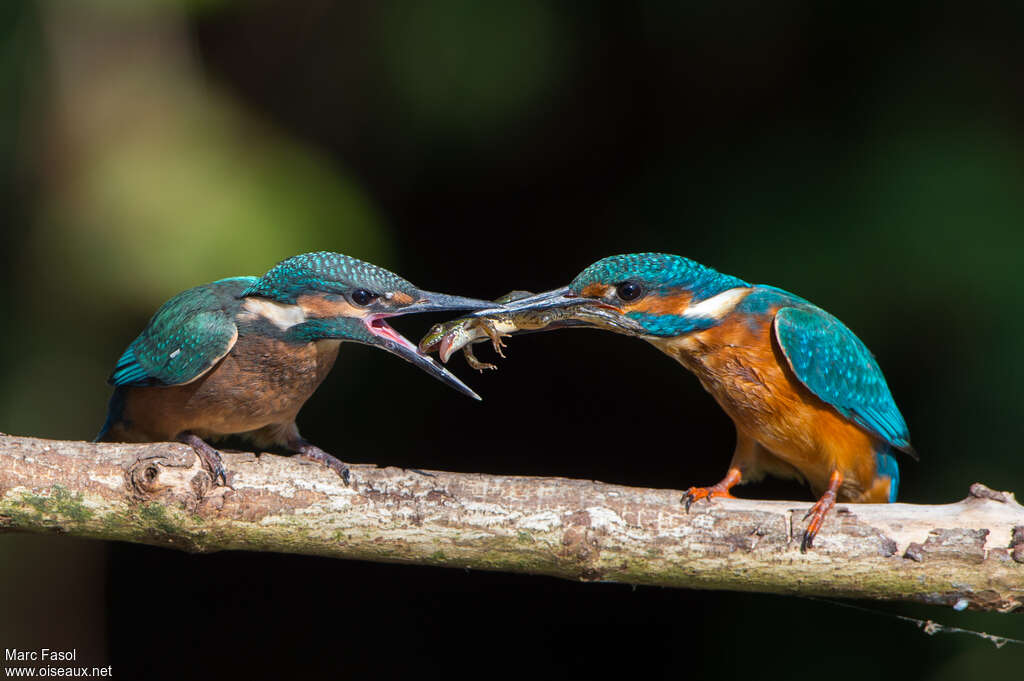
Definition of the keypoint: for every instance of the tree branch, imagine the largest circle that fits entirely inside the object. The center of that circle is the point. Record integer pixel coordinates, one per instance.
(967, 554)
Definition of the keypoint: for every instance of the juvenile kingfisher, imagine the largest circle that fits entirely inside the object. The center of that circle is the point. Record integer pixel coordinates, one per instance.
(242, 355)
(806, 396)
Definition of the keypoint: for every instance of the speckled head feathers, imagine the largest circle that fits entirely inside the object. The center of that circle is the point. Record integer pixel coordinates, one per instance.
(325, 271)
(660, 272)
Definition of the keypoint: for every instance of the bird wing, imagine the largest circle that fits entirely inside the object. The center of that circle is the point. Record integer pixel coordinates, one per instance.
(837, 367)
(188, 335)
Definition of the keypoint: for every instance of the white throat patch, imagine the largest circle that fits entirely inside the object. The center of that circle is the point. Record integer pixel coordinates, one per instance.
(718, 306)
(280, 315)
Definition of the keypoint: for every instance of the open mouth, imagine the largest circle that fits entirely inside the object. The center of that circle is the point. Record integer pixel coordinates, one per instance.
(397, 344)
(379, 327)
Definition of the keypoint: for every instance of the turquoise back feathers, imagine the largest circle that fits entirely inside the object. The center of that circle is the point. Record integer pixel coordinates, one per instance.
(837, 367)
(186, 336)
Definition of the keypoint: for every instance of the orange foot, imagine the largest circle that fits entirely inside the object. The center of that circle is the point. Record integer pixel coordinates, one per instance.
(820, 510)
(719, 489)
(697, 493)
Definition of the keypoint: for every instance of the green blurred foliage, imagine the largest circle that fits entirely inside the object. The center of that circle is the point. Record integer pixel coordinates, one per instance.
(470, 68)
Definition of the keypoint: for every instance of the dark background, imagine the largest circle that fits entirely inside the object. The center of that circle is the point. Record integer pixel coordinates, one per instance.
(866, 156)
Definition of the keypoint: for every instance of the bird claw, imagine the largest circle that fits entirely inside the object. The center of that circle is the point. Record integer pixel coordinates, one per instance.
(339, 468)
(216, 470)
(220, 474)
(314, 453)
(817, 515)
(210, 458)
(820, 509)
(695, 494)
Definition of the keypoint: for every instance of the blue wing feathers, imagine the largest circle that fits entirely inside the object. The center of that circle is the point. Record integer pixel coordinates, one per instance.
(886, 465)
(837, 367)
(185, 338)
(128, 371)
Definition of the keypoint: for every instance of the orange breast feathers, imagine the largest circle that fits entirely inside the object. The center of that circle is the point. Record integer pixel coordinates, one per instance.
(739, 363)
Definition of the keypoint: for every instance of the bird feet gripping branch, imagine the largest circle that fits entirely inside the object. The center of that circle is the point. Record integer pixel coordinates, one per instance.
(719, 489)
(209, 456)
(820, 510)
(311, 452)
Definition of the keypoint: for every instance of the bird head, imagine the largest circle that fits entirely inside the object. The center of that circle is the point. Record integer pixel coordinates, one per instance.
(330, 296)
(641, 294)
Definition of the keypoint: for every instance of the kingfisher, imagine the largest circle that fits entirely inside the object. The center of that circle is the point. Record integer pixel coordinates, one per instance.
(807, 397)
(240, 356)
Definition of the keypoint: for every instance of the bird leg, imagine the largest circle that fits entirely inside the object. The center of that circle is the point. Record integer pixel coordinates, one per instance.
(208, 455)
(313, 453)
(820, 509)
(719, 489)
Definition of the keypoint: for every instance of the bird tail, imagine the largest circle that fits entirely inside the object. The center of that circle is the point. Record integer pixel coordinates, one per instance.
(115, 410)
(885, 464)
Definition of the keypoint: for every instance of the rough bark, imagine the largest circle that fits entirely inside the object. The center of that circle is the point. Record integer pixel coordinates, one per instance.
(966, 554)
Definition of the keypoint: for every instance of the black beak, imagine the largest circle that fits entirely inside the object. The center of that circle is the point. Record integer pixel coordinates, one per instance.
(385, 337)
(442, 302)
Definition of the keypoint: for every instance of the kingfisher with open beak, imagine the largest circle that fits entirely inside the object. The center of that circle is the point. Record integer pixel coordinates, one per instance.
(806, 396)
(242, 355)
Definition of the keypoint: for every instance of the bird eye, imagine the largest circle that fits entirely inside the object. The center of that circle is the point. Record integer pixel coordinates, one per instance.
(362, 297)
(629, 290)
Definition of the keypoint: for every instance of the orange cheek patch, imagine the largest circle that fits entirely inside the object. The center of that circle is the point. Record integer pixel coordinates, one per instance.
(595, 290)
(662, 305)
(399, 298)
(320, 306)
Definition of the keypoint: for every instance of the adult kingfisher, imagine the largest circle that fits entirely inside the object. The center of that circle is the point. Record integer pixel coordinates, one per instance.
(806, 396)
(242, 355)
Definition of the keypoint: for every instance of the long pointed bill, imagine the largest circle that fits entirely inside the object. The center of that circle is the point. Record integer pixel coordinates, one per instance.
(384, 336)
(559, 297)
(442, 302)
(561, 308)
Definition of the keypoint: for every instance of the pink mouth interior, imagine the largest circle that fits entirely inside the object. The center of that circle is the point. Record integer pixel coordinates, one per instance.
(379, 327)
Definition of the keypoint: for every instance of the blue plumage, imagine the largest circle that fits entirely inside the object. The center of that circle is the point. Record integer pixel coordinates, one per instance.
(659, 272)
(324, 271)
(668, 325)
(887, 465)
(128, 371)
(186, 336)
(837, 367)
